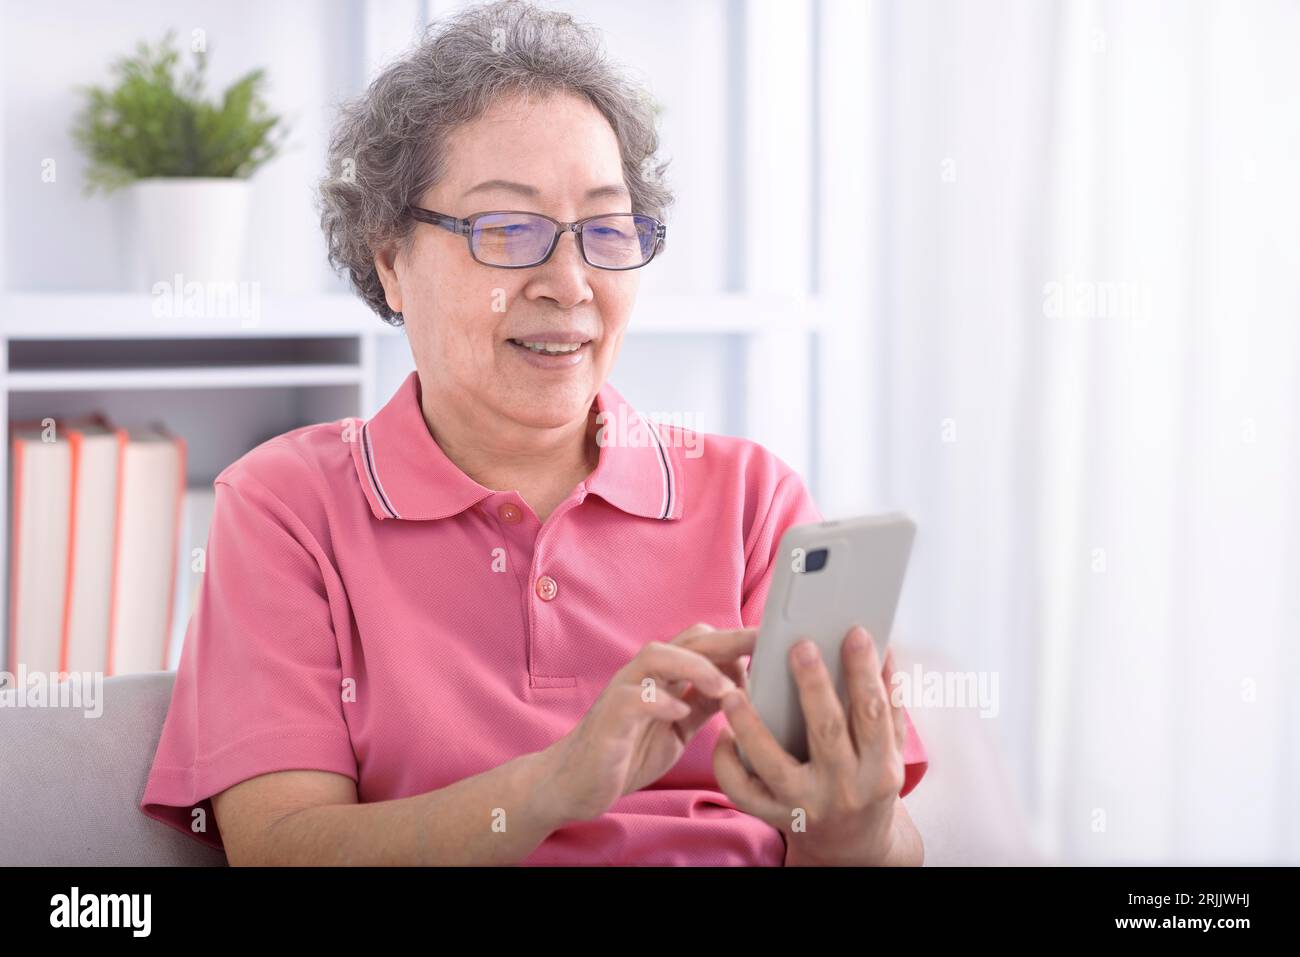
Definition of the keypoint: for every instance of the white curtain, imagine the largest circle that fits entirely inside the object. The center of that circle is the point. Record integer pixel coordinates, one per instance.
(1084, 383)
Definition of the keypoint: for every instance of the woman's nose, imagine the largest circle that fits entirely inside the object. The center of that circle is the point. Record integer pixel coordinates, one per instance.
(564, 277)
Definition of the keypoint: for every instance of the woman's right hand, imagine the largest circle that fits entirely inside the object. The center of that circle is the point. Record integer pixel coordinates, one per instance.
(644, 719)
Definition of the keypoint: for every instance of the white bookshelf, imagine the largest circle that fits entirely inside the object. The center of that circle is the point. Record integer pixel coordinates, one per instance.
(211, 377)
(222, 384)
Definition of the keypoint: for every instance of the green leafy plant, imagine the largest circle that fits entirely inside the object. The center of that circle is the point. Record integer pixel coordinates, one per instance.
(154, 123)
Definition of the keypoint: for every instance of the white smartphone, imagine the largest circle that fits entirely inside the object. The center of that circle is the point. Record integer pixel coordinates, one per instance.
(829, 576)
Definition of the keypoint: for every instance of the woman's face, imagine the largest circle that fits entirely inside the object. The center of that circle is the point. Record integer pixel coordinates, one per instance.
(464, 319)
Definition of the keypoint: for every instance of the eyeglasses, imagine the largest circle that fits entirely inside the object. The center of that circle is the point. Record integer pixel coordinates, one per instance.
(511, 239)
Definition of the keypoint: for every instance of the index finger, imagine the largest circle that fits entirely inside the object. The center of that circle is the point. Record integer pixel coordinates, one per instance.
(668, 663)
(719, 646)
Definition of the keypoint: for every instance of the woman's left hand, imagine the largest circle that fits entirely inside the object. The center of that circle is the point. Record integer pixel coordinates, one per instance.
(839, 807)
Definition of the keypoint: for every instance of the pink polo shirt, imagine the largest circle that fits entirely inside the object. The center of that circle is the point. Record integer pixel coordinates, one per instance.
(369, 609)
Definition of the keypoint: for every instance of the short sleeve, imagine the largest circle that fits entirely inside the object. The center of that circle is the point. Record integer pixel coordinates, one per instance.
(259, 683)
(792, 504)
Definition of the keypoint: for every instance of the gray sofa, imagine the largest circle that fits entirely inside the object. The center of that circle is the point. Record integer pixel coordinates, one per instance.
(70, 788)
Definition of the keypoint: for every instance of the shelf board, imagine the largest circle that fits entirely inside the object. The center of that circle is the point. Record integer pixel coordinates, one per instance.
(183, 377)
(92, 315)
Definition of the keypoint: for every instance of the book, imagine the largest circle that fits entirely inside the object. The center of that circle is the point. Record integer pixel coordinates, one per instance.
(40, 490)
(96, 448)
(151, 486)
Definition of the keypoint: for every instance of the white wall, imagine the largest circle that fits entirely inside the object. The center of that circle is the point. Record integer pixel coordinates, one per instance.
(58, 239)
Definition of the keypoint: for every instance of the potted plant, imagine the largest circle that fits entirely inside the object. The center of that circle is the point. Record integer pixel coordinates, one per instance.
(184, 161)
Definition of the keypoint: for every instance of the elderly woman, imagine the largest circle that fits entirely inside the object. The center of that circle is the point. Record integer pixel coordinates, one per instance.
(496, 622)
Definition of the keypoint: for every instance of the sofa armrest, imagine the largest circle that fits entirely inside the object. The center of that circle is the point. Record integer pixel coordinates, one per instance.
(71, 783)
(965, 806)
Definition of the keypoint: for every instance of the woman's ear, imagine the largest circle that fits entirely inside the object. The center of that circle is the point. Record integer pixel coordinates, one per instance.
(386, 265)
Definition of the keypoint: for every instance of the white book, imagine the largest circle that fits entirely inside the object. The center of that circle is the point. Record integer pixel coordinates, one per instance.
(152, 481)
(40, 485)
(95, 455)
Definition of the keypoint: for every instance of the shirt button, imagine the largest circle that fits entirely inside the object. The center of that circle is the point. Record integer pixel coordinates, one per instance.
(546, 588)
(510, 513)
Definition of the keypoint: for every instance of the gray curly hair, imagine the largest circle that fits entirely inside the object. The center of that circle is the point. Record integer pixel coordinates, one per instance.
(389, 144)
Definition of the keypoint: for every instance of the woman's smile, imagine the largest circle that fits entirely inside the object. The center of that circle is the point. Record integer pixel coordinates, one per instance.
(553, 351)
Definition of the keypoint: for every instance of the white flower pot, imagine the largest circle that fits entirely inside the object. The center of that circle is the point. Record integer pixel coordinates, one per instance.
(194, 227)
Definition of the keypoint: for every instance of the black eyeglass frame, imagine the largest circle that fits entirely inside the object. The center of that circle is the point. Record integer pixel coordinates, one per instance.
(465, 227)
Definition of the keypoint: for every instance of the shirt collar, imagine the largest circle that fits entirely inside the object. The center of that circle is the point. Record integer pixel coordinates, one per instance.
(405, 474)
